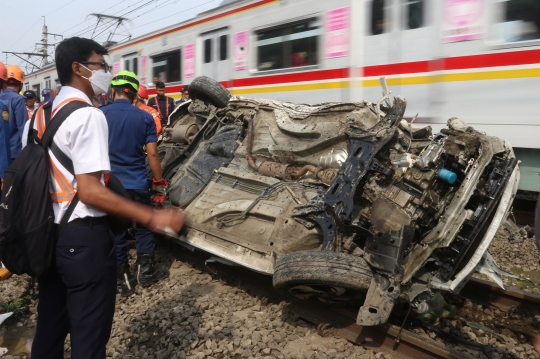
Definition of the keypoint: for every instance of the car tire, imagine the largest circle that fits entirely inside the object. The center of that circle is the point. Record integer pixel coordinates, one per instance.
(321, 268)
(204, 87)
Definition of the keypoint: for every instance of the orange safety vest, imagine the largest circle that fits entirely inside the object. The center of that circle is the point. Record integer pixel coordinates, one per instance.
(155, 116)
(66, 192)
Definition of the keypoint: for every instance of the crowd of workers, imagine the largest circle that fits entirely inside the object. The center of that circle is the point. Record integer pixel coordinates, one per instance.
(90, 265)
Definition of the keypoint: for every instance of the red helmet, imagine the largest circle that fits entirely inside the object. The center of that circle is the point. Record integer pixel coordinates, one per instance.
(3, 72)
(143, 92)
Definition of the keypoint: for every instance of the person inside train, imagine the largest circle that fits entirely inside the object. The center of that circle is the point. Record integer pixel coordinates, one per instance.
(163, 104)
(17, 107)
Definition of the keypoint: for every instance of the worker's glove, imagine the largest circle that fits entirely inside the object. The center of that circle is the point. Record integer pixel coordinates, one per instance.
(159, 188)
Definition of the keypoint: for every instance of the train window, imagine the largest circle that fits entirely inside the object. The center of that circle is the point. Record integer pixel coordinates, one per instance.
(415, 13)
(167, 67)
(126, 65)
(519, 20)
(207, 51)
(135, 66)
(293, 45)
(379, 24)
(223, 47)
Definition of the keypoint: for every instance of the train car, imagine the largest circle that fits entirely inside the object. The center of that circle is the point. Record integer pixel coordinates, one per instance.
(478, 60)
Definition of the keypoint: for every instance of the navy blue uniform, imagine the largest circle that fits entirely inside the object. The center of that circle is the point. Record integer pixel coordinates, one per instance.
(130, 129)
(17, 119)
(5, 152)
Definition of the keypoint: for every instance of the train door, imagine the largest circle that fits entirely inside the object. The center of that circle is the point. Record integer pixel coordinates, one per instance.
(379, 45)
(416, 49)
(399, 46)
(216, 54)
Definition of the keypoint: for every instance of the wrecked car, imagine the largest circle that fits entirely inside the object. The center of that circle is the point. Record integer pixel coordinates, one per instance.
(343, 202)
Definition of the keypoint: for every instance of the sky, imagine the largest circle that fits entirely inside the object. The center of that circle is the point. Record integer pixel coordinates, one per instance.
(22, 28)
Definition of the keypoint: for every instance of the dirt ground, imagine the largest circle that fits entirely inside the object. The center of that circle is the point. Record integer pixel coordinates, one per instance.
(192, 314)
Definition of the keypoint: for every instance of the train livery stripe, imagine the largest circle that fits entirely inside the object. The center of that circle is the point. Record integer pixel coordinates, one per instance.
(293, 87)
(455, 77)
(198, 22)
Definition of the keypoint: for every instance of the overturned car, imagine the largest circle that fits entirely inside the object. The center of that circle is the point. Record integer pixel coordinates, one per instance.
(338, 201)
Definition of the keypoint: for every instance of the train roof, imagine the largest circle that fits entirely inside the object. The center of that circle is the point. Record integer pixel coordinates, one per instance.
(226, 4)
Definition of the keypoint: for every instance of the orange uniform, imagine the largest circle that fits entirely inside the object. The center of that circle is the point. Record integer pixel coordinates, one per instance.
(155, 115)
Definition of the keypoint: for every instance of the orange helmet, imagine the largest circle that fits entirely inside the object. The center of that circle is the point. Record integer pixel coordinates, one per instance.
(15, 72)
(3, 72)
(143, 92)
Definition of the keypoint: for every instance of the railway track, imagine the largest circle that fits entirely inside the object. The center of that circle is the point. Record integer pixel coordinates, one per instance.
(387, 338)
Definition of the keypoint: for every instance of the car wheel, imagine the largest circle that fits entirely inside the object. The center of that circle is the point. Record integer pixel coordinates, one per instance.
(203, 87)
(327, 276)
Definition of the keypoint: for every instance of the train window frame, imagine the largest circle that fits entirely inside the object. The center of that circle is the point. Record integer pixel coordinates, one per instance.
(131, 62)
(409, 4)
(223, 47)
(153, 57)
(384, 18)
(288, 37)
(207, 50)
(495, 39)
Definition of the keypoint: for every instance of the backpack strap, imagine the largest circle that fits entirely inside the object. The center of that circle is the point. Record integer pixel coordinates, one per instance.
(47, 141)
(32, 133)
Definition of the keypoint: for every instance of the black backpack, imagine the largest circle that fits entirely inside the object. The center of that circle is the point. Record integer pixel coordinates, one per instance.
(27, 229)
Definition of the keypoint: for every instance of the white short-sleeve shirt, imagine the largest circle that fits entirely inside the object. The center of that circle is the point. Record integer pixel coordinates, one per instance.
(83, 137)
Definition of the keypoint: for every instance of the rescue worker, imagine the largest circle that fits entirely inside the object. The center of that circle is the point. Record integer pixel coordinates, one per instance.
(185, 96)
(31, 99)
(78, 295)
(130, 130)
(16, 108)
(163, 104)
(48, 94)
(5, 157)
(139, 102)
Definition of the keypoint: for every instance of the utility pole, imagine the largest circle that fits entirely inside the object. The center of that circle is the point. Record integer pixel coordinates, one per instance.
(45, 43)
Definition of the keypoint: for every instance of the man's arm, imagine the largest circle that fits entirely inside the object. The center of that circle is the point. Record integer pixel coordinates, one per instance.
(93, 193)
(153, 160)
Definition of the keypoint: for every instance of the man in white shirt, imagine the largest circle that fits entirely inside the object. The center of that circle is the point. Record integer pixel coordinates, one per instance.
(78, 296)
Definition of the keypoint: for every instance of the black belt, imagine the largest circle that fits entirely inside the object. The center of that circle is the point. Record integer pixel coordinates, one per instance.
(89, 221)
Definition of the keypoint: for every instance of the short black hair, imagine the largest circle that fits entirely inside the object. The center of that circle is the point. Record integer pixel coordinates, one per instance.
(126, 91)
(13, 82)
(186, 88)
(160, 85)
(74, 49)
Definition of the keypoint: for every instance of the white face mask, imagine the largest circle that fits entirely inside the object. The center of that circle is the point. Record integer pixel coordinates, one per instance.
(100, 80)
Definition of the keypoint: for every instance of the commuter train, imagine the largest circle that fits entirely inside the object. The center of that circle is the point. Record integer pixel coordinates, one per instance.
(478, 60)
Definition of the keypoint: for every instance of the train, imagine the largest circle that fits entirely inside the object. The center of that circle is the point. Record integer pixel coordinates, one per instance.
(478, 60)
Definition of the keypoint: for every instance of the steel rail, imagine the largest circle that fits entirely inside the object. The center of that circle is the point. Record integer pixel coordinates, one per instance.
(488, 294)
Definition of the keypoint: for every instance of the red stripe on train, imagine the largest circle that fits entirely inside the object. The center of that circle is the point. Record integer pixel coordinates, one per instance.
(513, 58)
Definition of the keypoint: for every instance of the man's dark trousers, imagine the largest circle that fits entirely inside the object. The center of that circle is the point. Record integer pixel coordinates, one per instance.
(78, 296)
(144, 238)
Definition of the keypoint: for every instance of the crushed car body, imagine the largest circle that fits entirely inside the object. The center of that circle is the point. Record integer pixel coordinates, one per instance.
(338, 201)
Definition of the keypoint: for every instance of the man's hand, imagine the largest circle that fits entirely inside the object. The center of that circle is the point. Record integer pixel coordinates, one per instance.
(159, 188)
(166, 218)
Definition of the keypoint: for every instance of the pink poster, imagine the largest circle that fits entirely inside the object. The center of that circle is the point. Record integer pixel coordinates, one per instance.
(462, 20)
(337, 29)
(240, 50)
(116, 68)
(144, 68)
(189, 60)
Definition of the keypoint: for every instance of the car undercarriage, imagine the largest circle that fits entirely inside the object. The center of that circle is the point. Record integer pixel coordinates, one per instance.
(343, 202)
